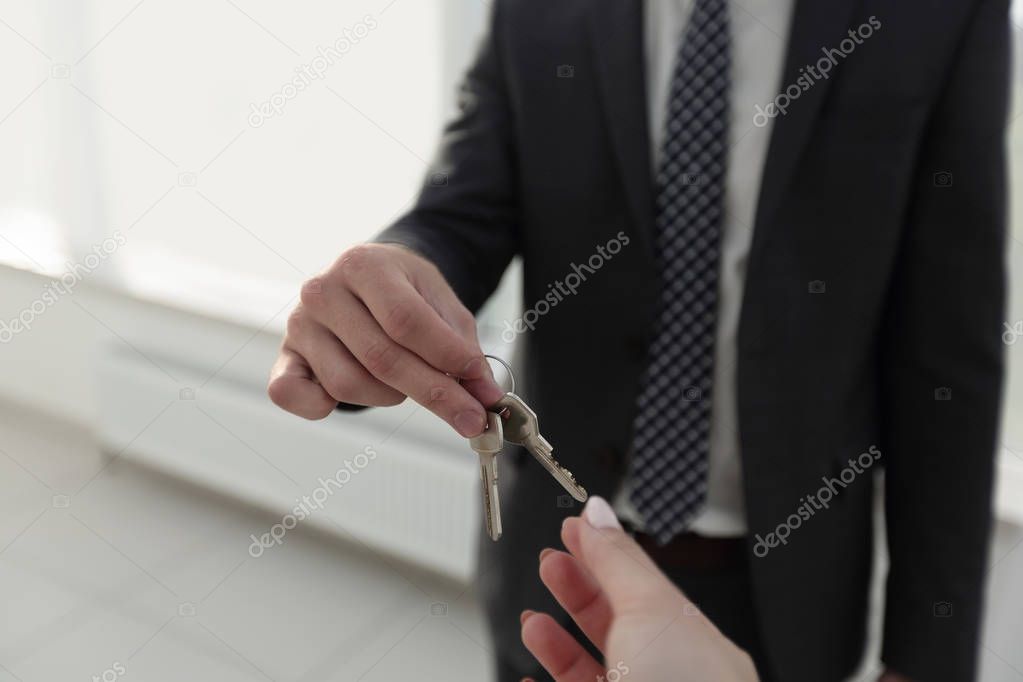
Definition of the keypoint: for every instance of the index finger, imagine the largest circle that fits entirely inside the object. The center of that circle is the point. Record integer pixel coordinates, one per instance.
(624, 571)
(411, 322)
(578, 593)
(557, 651)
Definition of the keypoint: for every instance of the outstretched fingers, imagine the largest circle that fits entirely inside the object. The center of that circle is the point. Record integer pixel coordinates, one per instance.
(556, 650)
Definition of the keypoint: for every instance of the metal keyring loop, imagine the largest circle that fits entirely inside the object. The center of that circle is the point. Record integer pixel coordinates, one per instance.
(507, 368)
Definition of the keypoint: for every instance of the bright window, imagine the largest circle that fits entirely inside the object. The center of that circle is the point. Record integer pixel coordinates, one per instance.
(237, 146)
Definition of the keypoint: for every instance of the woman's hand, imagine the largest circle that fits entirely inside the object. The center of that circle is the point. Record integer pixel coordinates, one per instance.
(645, 627)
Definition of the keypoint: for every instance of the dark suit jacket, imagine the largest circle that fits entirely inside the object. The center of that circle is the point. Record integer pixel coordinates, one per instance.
(886, 182)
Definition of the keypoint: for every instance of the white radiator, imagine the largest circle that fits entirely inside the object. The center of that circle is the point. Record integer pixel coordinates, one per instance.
(417, 499)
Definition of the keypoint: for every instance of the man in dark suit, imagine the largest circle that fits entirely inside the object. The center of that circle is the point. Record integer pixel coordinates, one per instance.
(751, 270)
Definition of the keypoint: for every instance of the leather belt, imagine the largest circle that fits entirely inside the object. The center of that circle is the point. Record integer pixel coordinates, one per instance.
(689, 550)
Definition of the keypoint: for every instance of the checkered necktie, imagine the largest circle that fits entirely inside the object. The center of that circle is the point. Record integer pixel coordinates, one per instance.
(671, 432)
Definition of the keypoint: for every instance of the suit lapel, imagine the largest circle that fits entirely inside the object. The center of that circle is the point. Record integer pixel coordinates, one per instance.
(816, 25)
(616, 33)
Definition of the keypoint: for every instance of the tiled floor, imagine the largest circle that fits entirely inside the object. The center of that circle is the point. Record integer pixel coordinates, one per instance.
(110, 570)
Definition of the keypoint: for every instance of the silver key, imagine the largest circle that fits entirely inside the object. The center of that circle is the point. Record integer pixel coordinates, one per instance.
(487, 445)
(521, 428)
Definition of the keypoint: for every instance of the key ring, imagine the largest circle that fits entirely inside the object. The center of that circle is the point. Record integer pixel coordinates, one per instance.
(507, 368)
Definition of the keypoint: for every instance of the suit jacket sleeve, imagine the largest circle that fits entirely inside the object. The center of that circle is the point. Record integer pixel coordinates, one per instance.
(464, 219)
(942, 340)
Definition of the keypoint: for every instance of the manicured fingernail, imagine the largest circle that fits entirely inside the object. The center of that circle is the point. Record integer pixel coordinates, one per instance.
(473, 369)
(526, 616)
(469, 423)
(545, 552)
(598, 513)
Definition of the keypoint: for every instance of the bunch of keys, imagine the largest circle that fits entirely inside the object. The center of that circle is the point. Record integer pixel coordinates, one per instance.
(511, 420)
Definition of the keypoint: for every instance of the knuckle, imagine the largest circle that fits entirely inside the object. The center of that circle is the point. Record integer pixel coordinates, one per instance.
(286, 393)
(455, 356)
(281, 392)
(354, 261)
(382, 358)
(338, 386)
(400, 322)
(465, 322)
(311, 293)
(295, 323)
(436, 396)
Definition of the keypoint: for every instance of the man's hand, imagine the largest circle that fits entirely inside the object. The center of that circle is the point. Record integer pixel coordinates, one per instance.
(379, 325)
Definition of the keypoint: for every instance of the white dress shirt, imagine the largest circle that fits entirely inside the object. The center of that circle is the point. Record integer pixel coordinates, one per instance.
(759, 40)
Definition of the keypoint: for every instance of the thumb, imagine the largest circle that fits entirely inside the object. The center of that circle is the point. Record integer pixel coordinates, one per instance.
(625, 572)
